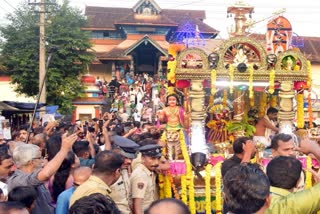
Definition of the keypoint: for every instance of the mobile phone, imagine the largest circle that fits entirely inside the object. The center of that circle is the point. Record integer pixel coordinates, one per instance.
(85, 129)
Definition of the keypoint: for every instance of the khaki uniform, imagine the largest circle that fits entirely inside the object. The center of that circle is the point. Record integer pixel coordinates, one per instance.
(143, 185)
(121, 193)
(92, 185)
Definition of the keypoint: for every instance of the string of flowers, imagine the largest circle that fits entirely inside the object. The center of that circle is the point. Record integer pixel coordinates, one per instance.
(273, 101)
(263, 104)
(167, 187)
(218, 187)
(231, 73)
(300, 111)
(225, 97)
(213, 81)
(271, 81)
(184, 189)
(189, 173)
(308, 183)
(251, 92)
(173, 186)
(208, 188)
(161, 186)
(309, 82)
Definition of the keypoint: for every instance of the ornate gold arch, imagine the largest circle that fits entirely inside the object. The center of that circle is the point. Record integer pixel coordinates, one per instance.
(296, 74)
(193, 73)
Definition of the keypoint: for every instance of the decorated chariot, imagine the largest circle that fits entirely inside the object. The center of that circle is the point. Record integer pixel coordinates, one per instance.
(223, 93)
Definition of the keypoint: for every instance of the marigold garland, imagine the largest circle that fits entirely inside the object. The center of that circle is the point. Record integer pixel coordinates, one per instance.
(273, 101)
(218, 187)
(263, 104)
(231, 73)
(308, 183)
(161, 186)
(300, 111)
(183, 193)
(167, 187)
(224, 99)
(213, 81)
(208, 188)
(251, 92)
(309, 82)
(271, 81)
(189, 173)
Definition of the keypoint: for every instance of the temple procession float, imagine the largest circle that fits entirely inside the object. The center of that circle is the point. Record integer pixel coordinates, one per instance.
(221, 94)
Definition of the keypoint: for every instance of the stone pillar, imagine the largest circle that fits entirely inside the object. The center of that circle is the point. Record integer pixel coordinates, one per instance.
(286, 113)
(198, 115)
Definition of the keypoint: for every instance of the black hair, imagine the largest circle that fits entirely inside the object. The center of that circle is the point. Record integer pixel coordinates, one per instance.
(275, 140)
(272, 110)
(23, 194)
(94, 204)
(61, 176)
(107, 162)
(284, 172)
(8, 206)
(4, 154)
(238, 144)
(80, 147)
(246, 188)
(181, 207)
(53, 145)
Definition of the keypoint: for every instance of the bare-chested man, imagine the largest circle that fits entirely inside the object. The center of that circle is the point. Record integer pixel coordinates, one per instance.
(265, 127)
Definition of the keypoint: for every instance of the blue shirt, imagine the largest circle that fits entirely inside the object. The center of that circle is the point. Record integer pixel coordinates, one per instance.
(64, 200)
(87, 162)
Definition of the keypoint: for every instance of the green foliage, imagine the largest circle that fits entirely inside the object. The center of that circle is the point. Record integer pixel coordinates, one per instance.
(20, 52)
(238, 126)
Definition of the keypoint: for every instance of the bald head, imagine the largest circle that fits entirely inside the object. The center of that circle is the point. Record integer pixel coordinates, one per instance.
(168, 206)
(81, 174)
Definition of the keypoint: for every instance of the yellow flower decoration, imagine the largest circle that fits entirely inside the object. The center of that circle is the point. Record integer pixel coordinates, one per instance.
(231, 76)
(251, 92)
(271, 81)
(300, 111)
(208, 189)
(213, 81)
(184, 197)
(308, 183)
(225, 97)
(218, 187)
(161, 186)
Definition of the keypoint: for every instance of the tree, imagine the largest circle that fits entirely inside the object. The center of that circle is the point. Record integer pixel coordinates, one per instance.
(20, 49)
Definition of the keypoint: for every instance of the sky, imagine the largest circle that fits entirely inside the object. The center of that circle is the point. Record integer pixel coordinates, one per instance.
(303, 15)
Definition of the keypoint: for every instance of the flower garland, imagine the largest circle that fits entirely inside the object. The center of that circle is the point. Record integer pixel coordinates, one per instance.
(271, 81)
(300, 111)
(273, 101)
(224, 99)
(218, 187)
(184, 198)
(231, 73)
(174, 189)
(189, 173)
(167, 187)
(161, 186)
(309, 82)
(208, 189)
(263, 105)
(308, 183)
(251, 92)
(213, 81)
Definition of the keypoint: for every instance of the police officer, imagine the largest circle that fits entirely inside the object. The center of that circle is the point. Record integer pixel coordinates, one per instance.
(143, 178)
(121, 192)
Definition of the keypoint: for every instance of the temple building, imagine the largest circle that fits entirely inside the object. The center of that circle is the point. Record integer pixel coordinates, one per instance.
(137, 39)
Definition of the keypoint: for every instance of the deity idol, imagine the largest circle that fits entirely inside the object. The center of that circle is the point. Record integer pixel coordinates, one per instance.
(174, 117)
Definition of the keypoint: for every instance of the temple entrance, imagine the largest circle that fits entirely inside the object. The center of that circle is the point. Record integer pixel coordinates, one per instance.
(146, 58)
